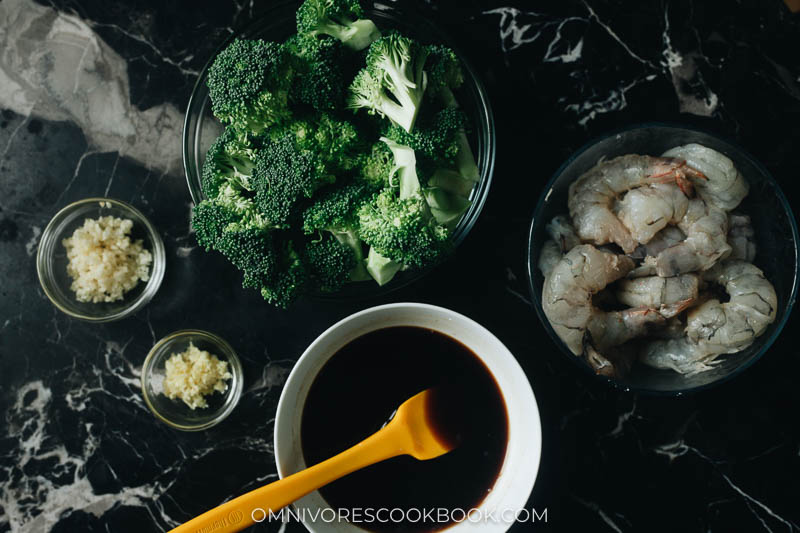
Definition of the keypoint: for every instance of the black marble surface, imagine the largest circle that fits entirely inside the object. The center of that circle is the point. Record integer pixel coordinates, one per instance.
(92, 94)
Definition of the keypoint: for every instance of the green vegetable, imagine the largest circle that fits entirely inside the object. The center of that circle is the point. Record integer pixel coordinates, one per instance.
(209, 219)
(405, 167)
(403, 230)
(330, 263)
(302, 194)
(437, 139)
(284, 174)
(382, 269)
(377, 166)
(336, 212)
(228, 161)
(319, 82)
(249, 85)
(392, 84)
(444, 70)
(341, 19)
(290, 279)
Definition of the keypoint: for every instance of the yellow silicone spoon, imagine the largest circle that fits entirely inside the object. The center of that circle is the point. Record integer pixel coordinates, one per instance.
(414, 431)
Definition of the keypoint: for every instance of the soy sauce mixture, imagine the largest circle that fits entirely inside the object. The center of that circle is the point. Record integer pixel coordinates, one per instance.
(359, 388)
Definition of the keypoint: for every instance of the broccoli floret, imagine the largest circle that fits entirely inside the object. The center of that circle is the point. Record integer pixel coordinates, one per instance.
(341, 19)
(336, 143)
(251, 251)
(444, 69)
(284, 174)
(436, 139)
(393, 82)
(376, 166)
(290, 279)
(319, 81)
(268, 262)
(229, 160)
(337, 208)
(330, 263)
(249, 84)
(444, 76)
(209, 219)
(403, 230)
(336, 211)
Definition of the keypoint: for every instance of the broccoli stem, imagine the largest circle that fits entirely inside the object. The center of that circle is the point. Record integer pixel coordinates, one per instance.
(355, 35)
(381, 269)
(361, 34)
(405, 165)
(446, 207)
(351, 240)
(452, 182)
(465, 159)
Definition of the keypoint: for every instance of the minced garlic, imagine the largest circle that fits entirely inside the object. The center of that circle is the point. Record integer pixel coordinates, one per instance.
(104, 263)
(194, 374)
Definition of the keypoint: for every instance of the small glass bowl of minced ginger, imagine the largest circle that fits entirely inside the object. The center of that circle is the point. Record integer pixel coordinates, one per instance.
(100, 260)
(192, 380)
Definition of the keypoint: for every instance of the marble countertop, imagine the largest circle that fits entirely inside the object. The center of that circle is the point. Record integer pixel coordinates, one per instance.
(92, 95)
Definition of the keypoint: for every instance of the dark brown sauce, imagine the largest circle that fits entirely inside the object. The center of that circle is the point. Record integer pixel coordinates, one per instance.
(359, 388)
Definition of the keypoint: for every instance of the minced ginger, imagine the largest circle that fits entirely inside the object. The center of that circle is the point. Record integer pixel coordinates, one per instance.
(104, 263)
(194, 374)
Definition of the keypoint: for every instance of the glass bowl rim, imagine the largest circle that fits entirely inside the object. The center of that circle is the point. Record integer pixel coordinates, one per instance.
(151, 285)
(231, 356)
(482, 187)
(531, 266)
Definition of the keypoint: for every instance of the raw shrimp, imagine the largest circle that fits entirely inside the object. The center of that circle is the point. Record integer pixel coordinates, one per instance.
(591, 196)
(549, 257)
(706, 229)
(715, 328)
(612, 328)
(562, 231)
(562, 240)
(725, 186)
(679, 354)
(669, 295)
(669, 236)
(647, 210)
(567, 300)
(733, 325)
(741, 237)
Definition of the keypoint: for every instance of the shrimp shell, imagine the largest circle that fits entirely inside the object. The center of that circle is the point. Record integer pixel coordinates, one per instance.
(741, 238)
(706, 229)
(567, 300)
(716, 328)
(568, 289)
(647, 210)
(732, 326)
(592, 195)
(562, 240)
(669, 295)
(725, 187)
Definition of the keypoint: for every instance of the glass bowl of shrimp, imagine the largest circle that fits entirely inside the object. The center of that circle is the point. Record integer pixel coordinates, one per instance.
(663, 259)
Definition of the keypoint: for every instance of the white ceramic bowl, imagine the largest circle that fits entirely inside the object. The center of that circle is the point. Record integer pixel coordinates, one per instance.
(513, 486)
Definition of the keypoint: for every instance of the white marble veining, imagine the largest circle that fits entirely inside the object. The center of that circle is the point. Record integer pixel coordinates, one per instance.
(518, 28)
(54, 66)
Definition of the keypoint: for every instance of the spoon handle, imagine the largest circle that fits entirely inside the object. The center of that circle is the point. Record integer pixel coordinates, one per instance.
(256, 505)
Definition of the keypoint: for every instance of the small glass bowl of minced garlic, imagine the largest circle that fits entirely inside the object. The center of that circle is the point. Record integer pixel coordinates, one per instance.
(191, 380)
(100, 259)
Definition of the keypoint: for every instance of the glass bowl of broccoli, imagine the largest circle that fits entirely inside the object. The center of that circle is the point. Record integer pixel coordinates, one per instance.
(336, 150)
